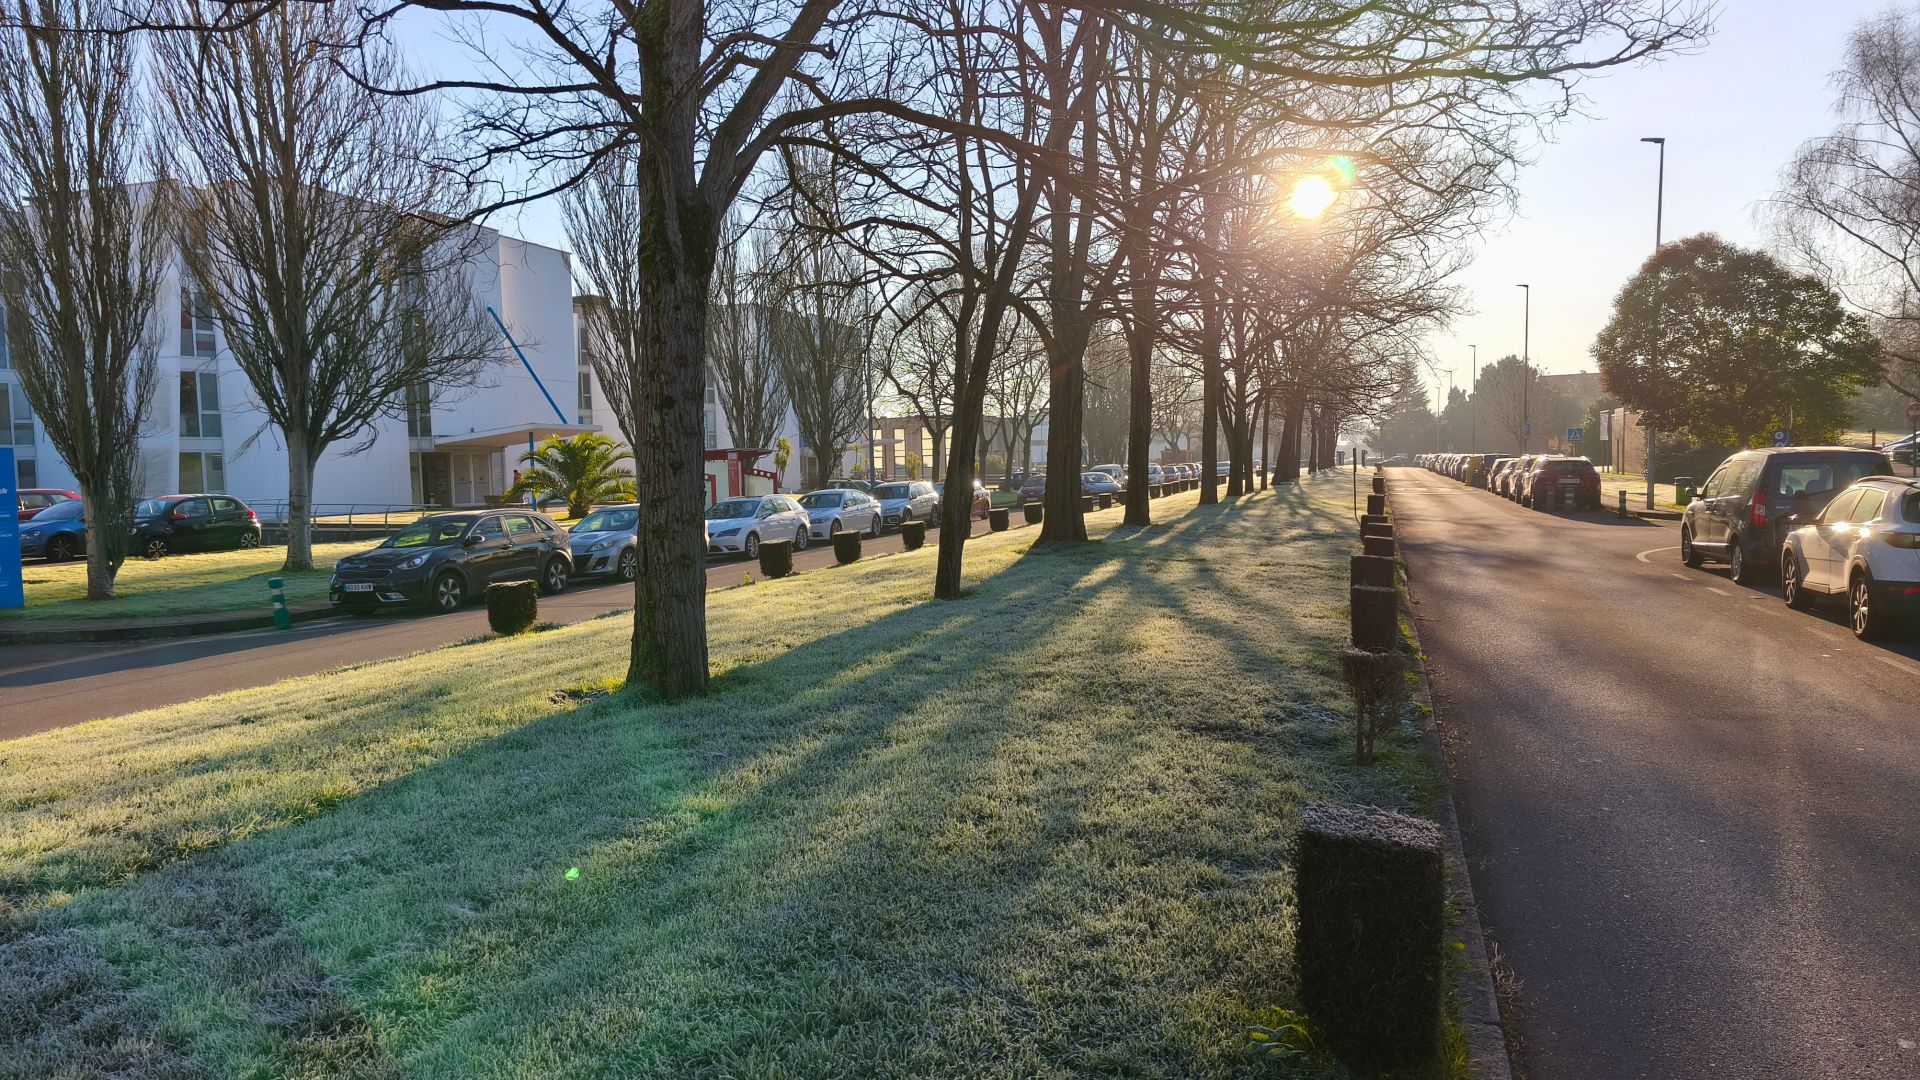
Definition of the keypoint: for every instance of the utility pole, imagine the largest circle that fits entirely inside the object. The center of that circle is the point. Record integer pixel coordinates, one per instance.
(1473, 403)
(1526, 367)
(1659, 210)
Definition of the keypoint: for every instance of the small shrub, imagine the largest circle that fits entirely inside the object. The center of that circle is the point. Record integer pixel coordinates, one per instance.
(913, 534)
(999, 518)
(846, 547)
(1033, 511)
(1370, 894)
(776, 558)
(512, 606)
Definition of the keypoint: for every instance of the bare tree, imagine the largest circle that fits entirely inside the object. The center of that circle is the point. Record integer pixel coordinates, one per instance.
(604, 216)
(79, 251)
(746, 372)
(324, 240)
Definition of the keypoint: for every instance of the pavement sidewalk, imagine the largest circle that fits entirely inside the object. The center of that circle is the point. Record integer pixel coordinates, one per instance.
(148, 628)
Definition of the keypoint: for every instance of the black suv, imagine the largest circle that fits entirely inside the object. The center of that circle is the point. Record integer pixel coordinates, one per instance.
(173, 523)
(1756, 497)
(440, 561)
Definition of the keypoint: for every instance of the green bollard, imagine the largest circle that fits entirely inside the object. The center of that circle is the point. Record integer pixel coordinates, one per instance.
(282, 618)
(1623, 502)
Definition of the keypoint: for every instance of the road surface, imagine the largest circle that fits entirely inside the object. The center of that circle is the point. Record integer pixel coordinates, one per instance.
(1692, 814)
(49, 686)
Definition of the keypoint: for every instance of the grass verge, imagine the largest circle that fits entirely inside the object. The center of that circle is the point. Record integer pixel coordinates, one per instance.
(199, 583)
(1039, 831)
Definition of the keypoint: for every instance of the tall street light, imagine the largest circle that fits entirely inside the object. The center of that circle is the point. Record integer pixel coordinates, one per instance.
(1473, 402)
(1526, 367)
(1659, 210)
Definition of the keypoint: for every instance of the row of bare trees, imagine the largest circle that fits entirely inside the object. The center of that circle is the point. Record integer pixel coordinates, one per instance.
(1105, 187)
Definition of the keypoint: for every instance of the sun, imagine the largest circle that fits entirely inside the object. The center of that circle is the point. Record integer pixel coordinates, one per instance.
(1311, 197)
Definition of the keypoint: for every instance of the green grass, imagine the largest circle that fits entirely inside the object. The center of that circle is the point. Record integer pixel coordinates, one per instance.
(178, 585)
(1040, 831)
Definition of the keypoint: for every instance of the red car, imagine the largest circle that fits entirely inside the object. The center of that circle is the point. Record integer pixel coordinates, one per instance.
(982, 500)
(34, 500)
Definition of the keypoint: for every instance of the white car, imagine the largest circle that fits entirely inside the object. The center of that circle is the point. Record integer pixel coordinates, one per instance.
(908, 500)
(736, 526)
(833, 510)
(602, 542)
(1864, 546)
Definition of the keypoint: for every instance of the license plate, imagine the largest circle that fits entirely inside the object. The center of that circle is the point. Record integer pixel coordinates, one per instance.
(1569, 481)
(358, 586)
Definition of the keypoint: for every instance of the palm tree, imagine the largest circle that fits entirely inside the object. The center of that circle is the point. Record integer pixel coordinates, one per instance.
(584, 470)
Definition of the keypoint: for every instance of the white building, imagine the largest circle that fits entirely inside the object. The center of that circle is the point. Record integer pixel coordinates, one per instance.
(207, 432)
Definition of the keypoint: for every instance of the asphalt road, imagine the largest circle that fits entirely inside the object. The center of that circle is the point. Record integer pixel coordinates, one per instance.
(48, 686)
(1692, 814)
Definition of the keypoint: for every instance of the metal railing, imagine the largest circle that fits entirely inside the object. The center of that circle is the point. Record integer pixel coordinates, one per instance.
(346, 520)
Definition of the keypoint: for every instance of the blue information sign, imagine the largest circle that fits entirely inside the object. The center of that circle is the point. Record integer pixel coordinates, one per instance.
(1576, 434)
(1780, 438)
(12, 593)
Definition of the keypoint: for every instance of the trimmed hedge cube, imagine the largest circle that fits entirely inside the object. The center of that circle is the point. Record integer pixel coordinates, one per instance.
(1375, 617)
(913, 534)
(776, 558)
(1370, 896)
(1370, 570)
(999, 518)
(846, 547)
(512, 606)
(1033, 512)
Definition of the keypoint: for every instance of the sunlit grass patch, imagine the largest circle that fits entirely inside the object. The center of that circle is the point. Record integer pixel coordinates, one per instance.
(190, 583)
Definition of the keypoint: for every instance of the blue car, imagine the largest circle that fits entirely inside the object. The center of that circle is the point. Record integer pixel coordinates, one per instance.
(56, 534)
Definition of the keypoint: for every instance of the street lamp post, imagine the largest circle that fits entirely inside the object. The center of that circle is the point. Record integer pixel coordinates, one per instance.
(1526, 367)
(1659, 211)
(1473, 403)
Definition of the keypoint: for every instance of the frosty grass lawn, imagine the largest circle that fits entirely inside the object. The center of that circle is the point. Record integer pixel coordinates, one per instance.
(1041, 831)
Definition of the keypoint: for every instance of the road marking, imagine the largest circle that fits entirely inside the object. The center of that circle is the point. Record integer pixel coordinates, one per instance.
(1642, 556)
(1717, 592)
(1682, 577)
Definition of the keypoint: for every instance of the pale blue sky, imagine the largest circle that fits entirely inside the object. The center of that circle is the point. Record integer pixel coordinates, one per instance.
(1732, 115)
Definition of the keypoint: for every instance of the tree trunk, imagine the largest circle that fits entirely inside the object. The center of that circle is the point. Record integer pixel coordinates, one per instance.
(669, 651)
(956, 515)
(1063, 521)
(1265, 466)
(299, 503)
(1140, 393)
(101, 570)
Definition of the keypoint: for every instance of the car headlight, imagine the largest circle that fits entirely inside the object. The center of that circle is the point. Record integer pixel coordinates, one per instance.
(724, 533)
(30, 534)
(602, 544)
(416, 562)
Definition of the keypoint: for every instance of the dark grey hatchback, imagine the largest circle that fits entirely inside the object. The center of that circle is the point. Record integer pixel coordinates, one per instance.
(1756, 497)
(442, 560)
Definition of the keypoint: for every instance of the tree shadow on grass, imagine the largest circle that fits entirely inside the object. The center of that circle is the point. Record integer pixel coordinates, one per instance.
(967, 838)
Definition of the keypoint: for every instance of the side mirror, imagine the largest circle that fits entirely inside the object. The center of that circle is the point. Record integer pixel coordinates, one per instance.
(470, 539)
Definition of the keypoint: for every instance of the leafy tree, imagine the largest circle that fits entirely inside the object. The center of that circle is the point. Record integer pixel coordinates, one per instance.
(1723, 343)
(585, 470)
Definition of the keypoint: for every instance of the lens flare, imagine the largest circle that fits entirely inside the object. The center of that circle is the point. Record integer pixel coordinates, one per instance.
(1311, 197)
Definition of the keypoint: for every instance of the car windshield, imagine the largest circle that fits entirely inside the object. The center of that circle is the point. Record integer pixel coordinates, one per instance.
(1094, 478)
(150, 508)
(890, 491)
(59, 511)
(429, 532)
(1822, 477)
(814, 500)
(733, 509)
(609, 521)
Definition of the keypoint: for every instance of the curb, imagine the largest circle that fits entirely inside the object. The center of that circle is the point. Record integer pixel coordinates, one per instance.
(1487, 1047)
(71, 632)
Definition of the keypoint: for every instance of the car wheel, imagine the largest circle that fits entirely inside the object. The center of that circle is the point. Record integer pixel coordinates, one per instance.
(837, 526)
(1869, 622)
(628, 565)
(59, 549)
(752, 546)
(1790, 590)
(449, 592)
(800, 537)
(250, 539)
(873, 529)
(554, 581)
(1739, 567)
(154, 547)
(1688, 553)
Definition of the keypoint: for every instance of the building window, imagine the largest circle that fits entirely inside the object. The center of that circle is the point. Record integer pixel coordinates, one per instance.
(419, 408)
(202, 473)
(196, 319)
(586, 394)
(199, 405)
(29, 474)
(16, 416)
(712, 426)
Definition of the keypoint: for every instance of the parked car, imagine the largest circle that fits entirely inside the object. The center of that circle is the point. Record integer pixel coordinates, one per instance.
(1900, 451)
(56, 533)
(173, 523)
(1865, 546)
(1744, 510)
(907, 500)
(1489, 468)
(736, 526)
(442, 560)
(831, 510)
(1559, 481)
(34, 500)
(1513, 469)
(982, 500)
(1033, 488)
(1118, 472)
(1158, 474)
(855, 485)
(602, 542)
(1099, 483)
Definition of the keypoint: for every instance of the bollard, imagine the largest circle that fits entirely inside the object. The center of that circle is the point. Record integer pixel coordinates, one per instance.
(1374, 617)
(282, 618)
(998, 518)
(1376, 504)
(1034, 512)
(1376, 528)
(1379, 485)
(1378, 545)
(1623, 502)
(1369, 570)
(1086, 504)
(1106, 500)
